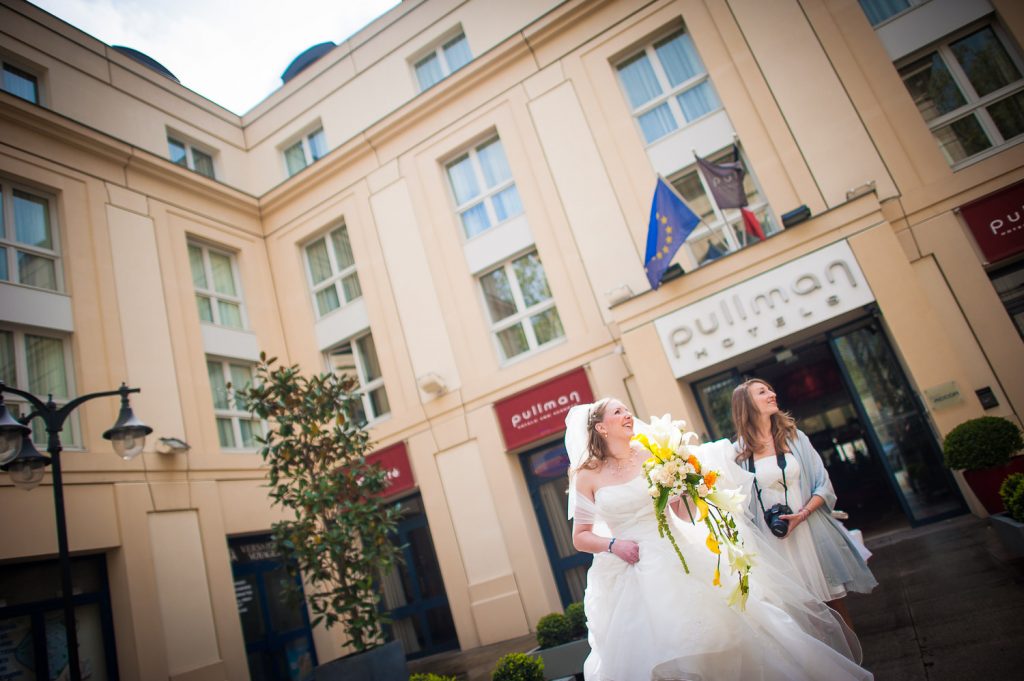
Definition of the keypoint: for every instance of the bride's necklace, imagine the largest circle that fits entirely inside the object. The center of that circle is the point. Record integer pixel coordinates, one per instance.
(618, 465)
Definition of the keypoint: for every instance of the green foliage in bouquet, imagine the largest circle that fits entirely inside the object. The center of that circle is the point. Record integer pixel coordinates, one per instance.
(984, 442)
(577, 620)
(1012, 494)
(553, 630)
(315, 452)
(518, 667)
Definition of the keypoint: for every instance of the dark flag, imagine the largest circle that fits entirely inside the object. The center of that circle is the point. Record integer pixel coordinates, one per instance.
(670, 224)
(725, 181)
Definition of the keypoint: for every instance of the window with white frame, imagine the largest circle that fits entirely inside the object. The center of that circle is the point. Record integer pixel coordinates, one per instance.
(20, 83)
(879, 11)
(29, 252)
(970, 91)
(667, 86)
(444, 60)
(305, 151)
(236, 427)
(520, 305)
(216, 281)
(482, 186)
(38, 363)
(187, 155)
(331, 269)
(722, 230)
(358, 358)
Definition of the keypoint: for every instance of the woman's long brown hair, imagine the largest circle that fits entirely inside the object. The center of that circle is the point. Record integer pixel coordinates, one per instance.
(744, 418)
(597, 449)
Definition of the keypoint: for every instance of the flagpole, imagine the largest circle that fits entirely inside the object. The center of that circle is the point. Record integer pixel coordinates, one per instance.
(727, 230)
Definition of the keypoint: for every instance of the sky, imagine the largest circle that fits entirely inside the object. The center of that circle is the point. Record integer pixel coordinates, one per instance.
(231, 52)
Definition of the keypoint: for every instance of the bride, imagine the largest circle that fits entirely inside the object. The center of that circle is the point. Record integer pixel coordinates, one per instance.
(648, 619)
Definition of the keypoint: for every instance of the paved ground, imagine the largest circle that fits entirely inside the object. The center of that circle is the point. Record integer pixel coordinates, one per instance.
(950, 606)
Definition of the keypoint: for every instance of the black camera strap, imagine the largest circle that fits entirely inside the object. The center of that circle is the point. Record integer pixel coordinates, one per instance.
(780, 458)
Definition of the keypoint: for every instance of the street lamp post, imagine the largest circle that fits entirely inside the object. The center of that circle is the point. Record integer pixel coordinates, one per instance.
(25, 465)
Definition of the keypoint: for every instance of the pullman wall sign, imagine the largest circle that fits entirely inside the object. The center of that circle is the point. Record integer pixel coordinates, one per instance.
(540, 411)
(803, 292)
(395, 461)
(997, 222)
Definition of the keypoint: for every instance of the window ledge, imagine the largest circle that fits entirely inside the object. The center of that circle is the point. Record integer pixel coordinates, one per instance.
(38, 307)
(532, 353)
(987, 154)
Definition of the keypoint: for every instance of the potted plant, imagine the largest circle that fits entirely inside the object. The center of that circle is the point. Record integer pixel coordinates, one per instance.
(983, 448)
(337, 534)
(518, 667)
(1009, 526)
(562, 642)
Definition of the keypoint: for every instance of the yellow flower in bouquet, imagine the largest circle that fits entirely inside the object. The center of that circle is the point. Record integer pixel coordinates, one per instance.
(674, 470)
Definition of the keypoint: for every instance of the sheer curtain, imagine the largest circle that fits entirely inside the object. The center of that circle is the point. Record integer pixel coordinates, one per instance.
(457, 53)
(295, 158)
(493, 163)
(698, 100)
(637, 76)
(463, 181)
(679, 59)
(429, 72)
(880, 10)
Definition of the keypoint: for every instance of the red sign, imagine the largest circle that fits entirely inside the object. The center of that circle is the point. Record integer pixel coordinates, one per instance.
(540, 411)
(395, 461)
(997, 222)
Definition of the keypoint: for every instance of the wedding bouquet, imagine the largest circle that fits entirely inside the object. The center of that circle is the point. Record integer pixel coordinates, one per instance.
(673, 470)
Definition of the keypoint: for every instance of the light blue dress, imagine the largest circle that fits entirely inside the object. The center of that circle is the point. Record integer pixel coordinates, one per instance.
(841, 563)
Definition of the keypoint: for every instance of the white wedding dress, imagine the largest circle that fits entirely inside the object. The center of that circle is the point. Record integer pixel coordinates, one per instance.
(651, 620)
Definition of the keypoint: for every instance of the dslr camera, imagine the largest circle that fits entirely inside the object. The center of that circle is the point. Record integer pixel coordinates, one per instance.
(778, 526)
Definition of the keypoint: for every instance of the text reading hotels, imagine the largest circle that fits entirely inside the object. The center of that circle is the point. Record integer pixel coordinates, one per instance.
(806, 291)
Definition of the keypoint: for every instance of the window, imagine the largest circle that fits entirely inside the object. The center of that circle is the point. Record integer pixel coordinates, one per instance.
(311, 147)
(28, 240)
(443, 61)
(331, 268)
(188, 156)
(236, 427)
(20, 83)
(970, 91)
(667, 86)
(482, 185)
(358, 358)
(522, 311)
(216, 282)
(878, 11)
(39, 364)
(722, 230)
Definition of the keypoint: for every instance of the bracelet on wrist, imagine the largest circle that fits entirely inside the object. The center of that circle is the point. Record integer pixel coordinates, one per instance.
(611, 544)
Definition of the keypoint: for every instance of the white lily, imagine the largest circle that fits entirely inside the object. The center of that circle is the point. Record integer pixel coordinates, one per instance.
(665, 433)
(737, 597)
(730, 500)
(739, 559)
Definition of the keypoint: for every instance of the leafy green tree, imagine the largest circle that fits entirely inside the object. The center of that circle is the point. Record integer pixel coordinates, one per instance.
(338, 537)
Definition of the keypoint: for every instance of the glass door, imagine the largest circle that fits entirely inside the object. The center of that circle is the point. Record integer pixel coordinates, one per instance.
(714, 397)
(413, 591)
(278, 640)
(896, 423)
(547, 478)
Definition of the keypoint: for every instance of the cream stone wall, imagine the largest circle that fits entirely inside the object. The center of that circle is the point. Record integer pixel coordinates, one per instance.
(806, 85)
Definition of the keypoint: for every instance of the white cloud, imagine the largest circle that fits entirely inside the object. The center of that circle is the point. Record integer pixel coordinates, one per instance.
(229, 52)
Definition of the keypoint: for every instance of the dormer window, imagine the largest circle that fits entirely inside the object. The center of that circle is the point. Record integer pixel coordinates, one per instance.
(445, 59)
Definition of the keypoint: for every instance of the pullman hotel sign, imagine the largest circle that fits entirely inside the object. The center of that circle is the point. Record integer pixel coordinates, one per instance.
(997, 222)
(803, 292)
(540, 411)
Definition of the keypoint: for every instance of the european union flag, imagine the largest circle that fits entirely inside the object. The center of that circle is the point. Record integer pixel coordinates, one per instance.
(671, 223)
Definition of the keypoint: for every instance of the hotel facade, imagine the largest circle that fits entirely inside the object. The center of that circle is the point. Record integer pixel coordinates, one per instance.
(452, 204)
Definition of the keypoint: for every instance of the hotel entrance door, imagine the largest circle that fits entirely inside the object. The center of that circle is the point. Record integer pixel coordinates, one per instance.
(851, 397)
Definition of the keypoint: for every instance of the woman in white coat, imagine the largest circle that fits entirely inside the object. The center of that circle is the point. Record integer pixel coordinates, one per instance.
(794, 498)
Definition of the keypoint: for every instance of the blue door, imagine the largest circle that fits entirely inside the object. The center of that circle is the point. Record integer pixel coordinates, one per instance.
(413, 591)
(546, 470)
(275, 623)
